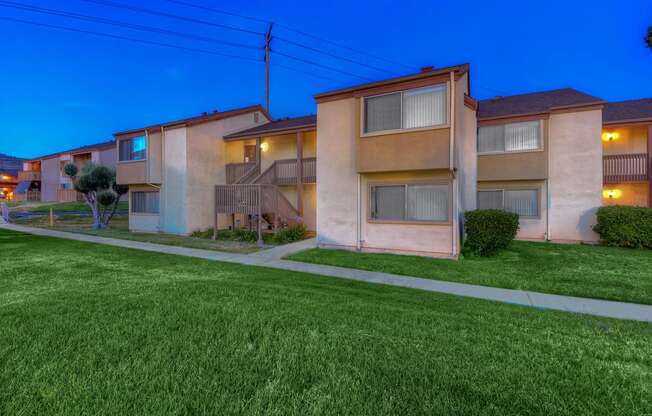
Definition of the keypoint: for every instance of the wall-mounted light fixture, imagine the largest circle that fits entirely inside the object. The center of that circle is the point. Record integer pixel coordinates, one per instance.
(612, 193)
(610, 136)
(5, 178)
(264, 146)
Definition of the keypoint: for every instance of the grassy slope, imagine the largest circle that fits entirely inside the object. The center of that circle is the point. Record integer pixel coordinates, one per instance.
(577, 270)
(88, 329)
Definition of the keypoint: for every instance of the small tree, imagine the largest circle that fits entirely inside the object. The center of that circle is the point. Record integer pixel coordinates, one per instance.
(97, 184)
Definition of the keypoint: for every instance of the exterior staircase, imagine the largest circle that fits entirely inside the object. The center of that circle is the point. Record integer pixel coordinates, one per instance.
(256, 194)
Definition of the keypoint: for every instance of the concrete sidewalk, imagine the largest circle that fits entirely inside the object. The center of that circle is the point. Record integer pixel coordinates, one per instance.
(272, 258)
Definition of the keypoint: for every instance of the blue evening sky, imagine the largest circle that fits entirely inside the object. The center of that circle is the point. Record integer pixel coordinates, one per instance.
(60, 90)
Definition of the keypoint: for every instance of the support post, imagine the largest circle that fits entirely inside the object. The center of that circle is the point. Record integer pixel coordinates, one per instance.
(300, 173)
(258, 152)
(51, 218)
(215, 215)
(649, 166)
(260, 216)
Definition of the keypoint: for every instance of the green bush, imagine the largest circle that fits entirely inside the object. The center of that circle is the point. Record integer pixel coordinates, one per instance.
(290, 234)
(625, 226)
(489, 230)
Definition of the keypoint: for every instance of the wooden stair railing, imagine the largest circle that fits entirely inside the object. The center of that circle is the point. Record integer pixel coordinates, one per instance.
(250, 175)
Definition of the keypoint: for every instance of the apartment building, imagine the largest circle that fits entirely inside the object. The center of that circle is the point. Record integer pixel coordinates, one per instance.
(391, 166)
(172, 169)
(9, 168)
(626, 146)
(540, 155)
(397, 163)
(43, 178)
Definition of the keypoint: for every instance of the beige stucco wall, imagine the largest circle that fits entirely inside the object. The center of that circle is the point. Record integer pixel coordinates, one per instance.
(108, 157)
(466, 137)
(575, 174)
(206, 167)
(154, 158)
(632, 194)
(149, 223)
(50, 179)
(529, 228)
(630, 140)
(174, 212)
(131, 172)
(336, 173)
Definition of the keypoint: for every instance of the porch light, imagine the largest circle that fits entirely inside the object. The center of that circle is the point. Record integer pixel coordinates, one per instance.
(264, 146)
(612, 193)
(610, 136)
(5, 178)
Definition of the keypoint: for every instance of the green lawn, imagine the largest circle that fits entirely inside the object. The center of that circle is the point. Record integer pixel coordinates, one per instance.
(69, 206)
(119, 228)
(90, 329)
(564, 269)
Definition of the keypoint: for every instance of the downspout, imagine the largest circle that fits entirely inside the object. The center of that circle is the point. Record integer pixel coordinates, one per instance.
(358, 228)
(546, 132)
(148, 175)
(162, 198)
(451, 165)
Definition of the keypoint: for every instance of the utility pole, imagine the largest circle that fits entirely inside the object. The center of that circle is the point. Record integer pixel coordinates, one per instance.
(268, 41)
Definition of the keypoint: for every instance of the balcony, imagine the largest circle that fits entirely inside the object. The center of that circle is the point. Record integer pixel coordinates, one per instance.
(29, 175)
(281, 172)
(625, 168)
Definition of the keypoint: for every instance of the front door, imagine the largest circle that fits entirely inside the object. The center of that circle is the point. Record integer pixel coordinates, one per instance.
(250, 153)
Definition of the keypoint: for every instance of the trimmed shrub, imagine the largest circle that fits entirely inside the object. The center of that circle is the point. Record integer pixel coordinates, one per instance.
(290, 234)
(228, 235)
(625, 226)
(489, 230)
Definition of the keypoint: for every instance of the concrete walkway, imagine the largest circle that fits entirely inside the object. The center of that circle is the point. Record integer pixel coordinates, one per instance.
(272, 258)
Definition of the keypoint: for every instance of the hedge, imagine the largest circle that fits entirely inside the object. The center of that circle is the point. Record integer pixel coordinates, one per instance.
(625, 226)
(489, 230)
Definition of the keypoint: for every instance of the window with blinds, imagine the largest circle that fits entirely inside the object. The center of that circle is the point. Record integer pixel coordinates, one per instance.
(512, 137)
(417, 108)
(524, 202)
(145, 202)
(132, 149)
(409, 202)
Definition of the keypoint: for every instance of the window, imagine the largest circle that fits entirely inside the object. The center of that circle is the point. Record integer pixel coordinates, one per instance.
(411, 109)
(133, 149)
(512, 137)
(524, 202)
(409, 202)
(144, 202)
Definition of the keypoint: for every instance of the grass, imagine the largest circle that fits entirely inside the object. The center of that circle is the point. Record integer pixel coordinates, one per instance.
(119, 228)
(576, 270)
(69, 206)
(90, 329)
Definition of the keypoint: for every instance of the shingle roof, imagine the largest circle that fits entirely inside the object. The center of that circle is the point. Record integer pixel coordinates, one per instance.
(206, 117)
(88, 147)
(536, 102)
(276, 127)
(10, 163)
(627, 110)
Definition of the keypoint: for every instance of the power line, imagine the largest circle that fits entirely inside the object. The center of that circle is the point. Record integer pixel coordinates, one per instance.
(148, 42)
(330, 68)
(310, 48)
(300, 32)
(171, 16)
(289, 68)
(55, 12)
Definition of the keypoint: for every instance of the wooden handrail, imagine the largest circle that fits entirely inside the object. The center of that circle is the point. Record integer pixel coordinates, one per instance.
(235, 171)
(625, 168)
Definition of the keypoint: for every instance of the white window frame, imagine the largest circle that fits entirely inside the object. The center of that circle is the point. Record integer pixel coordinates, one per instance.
(405, 184)
(542, 140)
(502, 191)
(446, 124)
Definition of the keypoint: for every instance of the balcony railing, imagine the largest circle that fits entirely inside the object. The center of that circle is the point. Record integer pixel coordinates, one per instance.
(625, 168)
(286, 171)
(69, 195)
(235, 171)
(29, 175)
